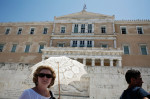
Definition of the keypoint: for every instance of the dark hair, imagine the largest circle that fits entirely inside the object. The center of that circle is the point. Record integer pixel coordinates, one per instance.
(131, 74)
(37, 71)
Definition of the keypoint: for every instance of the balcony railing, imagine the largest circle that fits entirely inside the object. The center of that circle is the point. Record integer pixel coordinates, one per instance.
(81, 45)
(74, 45)
(89, 45)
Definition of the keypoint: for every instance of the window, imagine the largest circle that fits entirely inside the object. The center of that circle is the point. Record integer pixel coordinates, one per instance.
(123, 30)
(104, 45)
(76, 28)
(74, 44)
(45, 30)
(89, 43)
(19, 31)
(143, 50)
(27, 48)
(81, 43)
(41, 47)
(89, 28)
(60, 45)
(1, 47)
(139, 30)
(14, 48)
(7, 31)
(103, 29)
(32, 31)
(126, 49)
(83, 28)
(63, 29)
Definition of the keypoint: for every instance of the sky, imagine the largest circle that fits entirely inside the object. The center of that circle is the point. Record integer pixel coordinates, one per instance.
(45, 10)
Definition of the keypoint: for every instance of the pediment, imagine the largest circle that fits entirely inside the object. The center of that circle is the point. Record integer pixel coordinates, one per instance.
(84, 15)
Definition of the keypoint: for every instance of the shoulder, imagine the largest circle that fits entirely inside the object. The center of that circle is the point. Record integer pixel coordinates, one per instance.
(142, 93)
(26, 91)
(129, 93)
(29, 94)
(141, 90)
(25, 94)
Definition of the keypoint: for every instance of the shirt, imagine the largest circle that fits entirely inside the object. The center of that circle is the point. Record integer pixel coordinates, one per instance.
(31, 94)
(134, 93)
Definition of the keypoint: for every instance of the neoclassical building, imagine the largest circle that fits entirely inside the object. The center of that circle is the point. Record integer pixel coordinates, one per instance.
(91, 38)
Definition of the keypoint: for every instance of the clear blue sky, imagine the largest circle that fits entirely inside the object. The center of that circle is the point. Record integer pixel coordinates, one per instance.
(45, 10)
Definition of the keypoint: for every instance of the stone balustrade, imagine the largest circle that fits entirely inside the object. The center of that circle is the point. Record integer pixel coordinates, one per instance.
(113, 55)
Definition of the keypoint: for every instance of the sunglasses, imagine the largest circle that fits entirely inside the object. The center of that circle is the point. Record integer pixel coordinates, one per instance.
(47, 75)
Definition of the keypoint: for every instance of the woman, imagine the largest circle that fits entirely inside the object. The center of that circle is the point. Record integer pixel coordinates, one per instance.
(43, 78)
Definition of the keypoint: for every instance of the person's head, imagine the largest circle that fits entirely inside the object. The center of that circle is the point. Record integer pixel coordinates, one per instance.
(134, 78)
(46, 74)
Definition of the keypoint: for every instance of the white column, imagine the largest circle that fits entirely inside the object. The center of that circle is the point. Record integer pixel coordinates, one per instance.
(111, 62)
(113, 27)
(92, 28)
(79, 28)
(92, 43)
(93, 61)
(102, 61)
(84, 61)
(54, 27)
(85, 43)
(78, 43)
(115, 45)
(86, 28)
(120, 62)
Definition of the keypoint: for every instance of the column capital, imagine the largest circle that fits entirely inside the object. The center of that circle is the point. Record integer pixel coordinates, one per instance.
(102, 58)
(93, 58)
(111, 59)
(119, 59)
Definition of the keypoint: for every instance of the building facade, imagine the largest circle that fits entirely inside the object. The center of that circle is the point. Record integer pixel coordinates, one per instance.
(91, 38)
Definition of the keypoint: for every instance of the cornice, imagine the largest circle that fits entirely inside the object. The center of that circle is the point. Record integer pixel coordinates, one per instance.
(25, 23)
(82, 51)
(102, 37)
(146, 21)
(84, 21)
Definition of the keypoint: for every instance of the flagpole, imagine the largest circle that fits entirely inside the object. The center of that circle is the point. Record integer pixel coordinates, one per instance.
(58, 82)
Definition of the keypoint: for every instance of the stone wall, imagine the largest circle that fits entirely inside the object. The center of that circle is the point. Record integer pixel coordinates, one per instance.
(109, 82)
(14, 79)
(99, 83)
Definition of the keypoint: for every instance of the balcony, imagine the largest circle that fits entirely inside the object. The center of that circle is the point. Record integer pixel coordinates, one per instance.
(104, 55)
(74, 45)
(89, 45)
(81, 45)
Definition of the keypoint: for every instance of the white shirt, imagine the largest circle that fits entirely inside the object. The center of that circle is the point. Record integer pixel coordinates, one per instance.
(31, 94)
